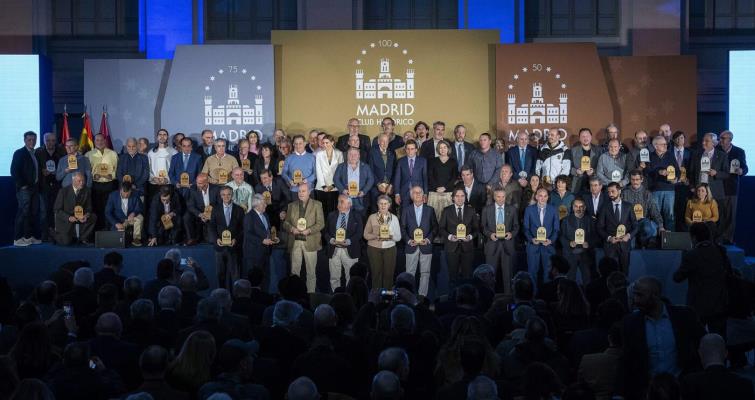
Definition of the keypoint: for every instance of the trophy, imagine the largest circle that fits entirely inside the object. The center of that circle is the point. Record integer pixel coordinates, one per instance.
(184, 179)
(500, 231)
(103, 169)
(419, 235)
(584, 163)
(704, 164)
(616, 176)
(225, 238)
(298, 177)
(167, 222)
(353, 188)
(73, 162)
(697, 216)
(222, 176)
(78, 212)
(340, 235)
(579, 236)
(385, 232)
(50, 166)
(268, 197)
(639, 213)
(127, 178)
(301, 224)
(207, 211)
(280, 166)
(461, 231)
(542, 234)
(734, 166)
(246, 164)
(522, 175)
(670, 173)
(621, 230)
(274, 235)
(547, 179)
(562, 211)
(645, 155)
(682, 173)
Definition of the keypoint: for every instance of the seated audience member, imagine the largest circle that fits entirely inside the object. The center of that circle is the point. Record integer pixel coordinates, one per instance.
(116, 354)
(237, 324)
(139, 328)
(199, 203)
(33, 353)
(164, 276)
(715, 381)
(81, 298)
(386, 386)
(189, 285)
(596, 291)
(153, 363)
(75, 379)
(599, 370)
(124, 209)
(302, 388)
(192, 367)
(111, 272)
(207, 319)
(74, 219)
(165, 218)
(481, 388)
(235, 362)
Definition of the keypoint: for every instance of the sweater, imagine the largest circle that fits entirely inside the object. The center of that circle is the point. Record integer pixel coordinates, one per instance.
(303, 162)
(608, 164)
(708, 210)
(372, 232)
(643, 197)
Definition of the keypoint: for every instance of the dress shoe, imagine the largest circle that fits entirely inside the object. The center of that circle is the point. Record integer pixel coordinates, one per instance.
(192, 242)
(136, 243)
(85, 243)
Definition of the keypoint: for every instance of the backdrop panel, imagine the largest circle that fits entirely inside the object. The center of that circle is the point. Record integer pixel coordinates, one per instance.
(226, 88)
(323, 78)
(130, 90)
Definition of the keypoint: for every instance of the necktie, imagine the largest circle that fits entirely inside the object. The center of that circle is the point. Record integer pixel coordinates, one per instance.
(207, 150)
(499, 219)
(186, 161)
(227, 210)
(542, 216)
(617, 212)
(270, 189)
(679, 157)
(411, 166)
(342, 221)
(458, 213)
(521, 157)
(264, 222)
(460, 151)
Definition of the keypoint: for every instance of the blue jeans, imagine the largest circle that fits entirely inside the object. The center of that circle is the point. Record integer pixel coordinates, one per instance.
(647, 230)
(28, 206)
(665, 201)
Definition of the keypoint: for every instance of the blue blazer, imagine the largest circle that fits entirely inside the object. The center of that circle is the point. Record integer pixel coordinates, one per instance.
(254, 234)
(113, 211)
(366, 180)
(428, 224)
(530, 158)
(532, 222)
(402, 182)
(381, 172)
(193, 167)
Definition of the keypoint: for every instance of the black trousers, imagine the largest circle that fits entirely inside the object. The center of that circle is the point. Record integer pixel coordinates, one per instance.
(459, 261)
(65, 231)
(168, 236)
(100, 193)
(194, 228)
(619, 252)
(226, 263)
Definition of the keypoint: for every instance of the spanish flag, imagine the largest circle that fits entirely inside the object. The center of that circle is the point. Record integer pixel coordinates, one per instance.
(66, 134)
(86, 141)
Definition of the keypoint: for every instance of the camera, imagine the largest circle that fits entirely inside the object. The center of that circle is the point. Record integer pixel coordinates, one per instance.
(68, 309)
(388, 295)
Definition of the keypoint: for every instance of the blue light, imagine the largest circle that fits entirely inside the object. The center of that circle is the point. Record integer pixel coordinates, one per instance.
(19, 103)
(168, 24)
(741, 99)
(505, 15)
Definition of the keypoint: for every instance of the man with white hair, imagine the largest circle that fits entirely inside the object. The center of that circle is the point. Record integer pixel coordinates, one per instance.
(258, 243)
(419, 227)
(344, 237)
(242, 191)
(737, 168)
(302, 388)
(709, 165)
(74, 217)
(482, 388)
(664, 173)
(304, 222)
(716, 381)
(82, 297)
(386, 386)
(225, 229)
(237, 324)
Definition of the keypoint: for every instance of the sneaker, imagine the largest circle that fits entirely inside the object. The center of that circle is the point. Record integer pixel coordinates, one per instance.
(21, 242)
(33, 240)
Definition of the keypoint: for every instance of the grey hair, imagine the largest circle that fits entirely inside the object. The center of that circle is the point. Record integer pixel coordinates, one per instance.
(658, 139)
(483, 269)
(347, 198)
(188, 280)
(142, 309)
(174, 255)
(393, 359)
(242, 288)
(711, 135)
(417, 187)
(257, 199)
(140, 396)
(286, 313)
(402, 318)
(109, 323)
(208, 310)
(482, 388)
(83, 277)
(169, 297)
(223, 297)
(302, 388)
(131, 139)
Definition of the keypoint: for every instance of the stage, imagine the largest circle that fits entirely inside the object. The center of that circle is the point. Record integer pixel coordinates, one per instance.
(25, 267)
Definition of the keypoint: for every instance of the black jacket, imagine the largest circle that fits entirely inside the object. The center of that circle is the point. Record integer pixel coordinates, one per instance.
(23, 169)
(704, 267)
(354, 232)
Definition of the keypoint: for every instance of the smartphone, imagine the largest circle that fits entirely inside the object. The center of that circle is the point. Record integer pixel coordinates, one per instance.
(388, 294)
(68, 309)
(183, 261)
(92, 365)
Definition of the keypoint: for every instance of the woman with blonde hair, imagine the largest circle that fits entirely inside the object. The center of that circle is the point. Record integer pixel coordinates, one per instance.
(702, 207)
(192, 368)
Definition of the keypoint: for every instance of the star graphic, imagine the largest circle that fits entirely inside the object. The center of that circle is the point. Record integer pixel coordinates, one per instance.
(212, 78)
(364, 51)
(547, 69)
(220, 71)
(206, 88)
(359, 61)
(516, 76)
(254, 78)
(372, 45)
(404, 51)
(563, 86)
(243, 71)
(511, 86)
(259, 87)
(395, 45)
(524, 69)
(411, 61)
(558, 76)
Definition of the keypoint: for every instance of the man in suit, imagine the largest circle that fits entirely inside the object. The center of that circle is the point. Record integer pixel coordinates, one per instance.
(278, 197)
(682, 156)
(614, 214)
(185, 162)
(475, 191)
(536, 216)
(507, 183)
(70, 197)
(257, 242)
(522, 159)
(64, 173)
(133, 166)
(580, 256)
(596, 199)
(705, 268)
(459, 250)
(394, 141)
(599, 369)
(304, 221)
(585, 148)
(461, 148)
(419, 216)
(382, 162)
(411, 171)
(674, 331)
(429, 147)
(499, 249)
(124, 209)
(344, 253)
(25, 170)
(165, 215)
(48, 156)
(195, 218)
(352, 129)
(715, 381)
(728, 208)
(227, 217)
(718, 168)
(354, 170)
(207, 147)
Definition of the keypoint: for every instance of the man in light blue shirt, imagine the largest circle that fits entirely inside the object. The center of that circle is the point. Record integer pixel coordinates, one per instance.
(300, 161)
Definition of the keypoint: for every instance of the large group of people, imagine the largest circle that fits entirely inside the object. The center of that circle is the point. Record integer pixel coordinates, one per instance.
(563, 325)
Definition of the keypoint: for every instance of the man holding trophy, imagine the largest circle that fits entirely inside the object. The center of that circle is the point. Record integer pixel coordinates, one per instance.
(225, 228)
(344, 235)
(459, 227)
(259, 237)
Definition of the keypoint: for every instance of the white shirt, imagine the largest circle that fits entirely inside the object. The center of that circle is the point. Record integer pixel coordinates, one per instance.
(206, 196)
(595, 202)
(124, 205)
(166, 207)
(160, 161)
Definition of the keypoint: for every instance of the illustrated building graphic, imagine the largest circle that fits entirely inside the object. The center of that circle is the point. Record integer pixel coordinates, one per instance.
(385, 87)
(233, 113)
(537, 112)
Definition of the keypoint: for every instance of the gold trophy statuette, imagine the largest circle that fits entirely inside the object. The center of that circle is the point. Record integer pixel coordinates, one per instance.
(127, 178)
(268, 197)
(697, 216)
(461, 231)
(621, 230)
(340, 235)
(562, 211)
(500, 231)
(301, 224)
(682, 173)
(384, 232)
(670, 173)
(207, 211)
(184, 179)
(542, 234)
(103, 169)
(579, 236)
(298, 177)
(78, 212)
(222, 176)
(162, 174)
(246, 164)
(353, 188)
(167, 222)
(639, 213)
(584, 163)
(225, 238)
(419, 235)
(73, 162)
(274, 235)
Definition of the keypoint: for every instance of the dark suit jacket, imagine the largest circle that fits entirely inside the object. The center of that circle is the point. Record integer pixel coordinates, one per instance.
(488, 222)
(427, 150)
(468, 149)
(280, 196)
(569, 225)
(477, 197)
(195, 203)
(254, 234)
(448, 223)
(580, 182)
(343, 143)
(705, 268)
(719, 162)
(193, 167)
(382, 172)
(23, 168)
(259, 166)
(530, 159)
(731, 185)
(403, 182)
(354, 232)
(66, 201)
(156, 210)
(607, 222)
(716, 382)
(532, 222)
(43, 157)
(217, 225)
(113, 211)
(428, 224)
(366, 181)
(137, 167)
(634, 380)
(592, 211)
